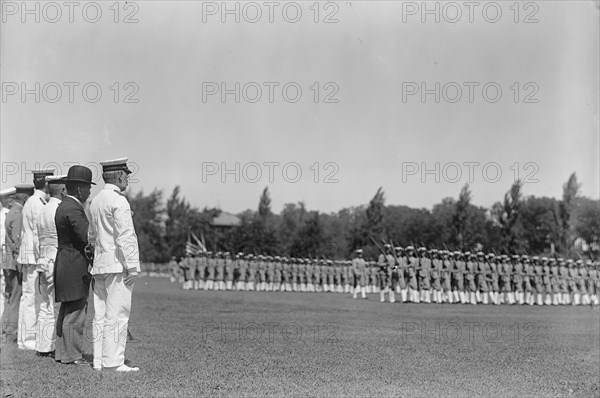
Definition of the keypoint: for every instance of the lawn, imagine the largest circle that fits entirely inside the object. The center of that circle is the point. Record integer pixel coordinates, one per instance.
(192, 343)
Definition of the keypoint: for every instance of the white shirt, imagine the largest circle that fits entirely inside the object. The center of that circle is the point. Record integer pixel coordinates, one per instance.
(112, 233)
(29, 250)
(48, 237)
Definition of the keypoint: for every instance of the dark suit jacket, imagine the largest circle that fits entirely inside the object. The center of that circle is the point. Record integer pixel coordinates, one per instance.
(71, 277)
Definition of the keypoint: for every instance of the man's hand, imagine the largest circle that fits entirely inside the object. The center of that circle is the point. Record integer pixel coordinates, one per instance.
(130, 276)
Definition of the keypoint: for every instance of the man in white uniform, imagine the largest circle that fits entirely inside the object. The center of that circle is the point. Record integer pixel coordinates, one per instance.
(28, 258)
(48, 240)
(115, 269)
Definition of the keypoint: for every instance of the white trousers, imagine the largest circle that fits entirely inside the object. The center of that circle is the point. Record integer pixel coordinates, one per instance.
(112, 305)
(46, 326)
(29, 307)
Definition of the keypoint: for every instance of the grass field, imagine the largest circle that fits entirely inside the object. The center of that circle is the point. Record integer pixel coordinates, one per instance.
(195, 343)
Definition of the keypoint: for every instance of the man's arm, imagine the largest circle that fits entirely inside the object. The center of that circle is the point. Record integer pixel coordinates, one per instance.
(80, 225)
(126, 241)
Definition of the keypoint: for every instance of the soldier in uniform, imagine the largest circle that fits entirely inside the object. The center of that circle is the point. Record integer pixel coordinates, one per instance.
(359, 271)
(28, 259)
(563, 272)
(540, 288)
(201, 275)
(116, 266)
(309, 270)
(547, 281)
(48, 240)
(446, 276)
(400, 271)
(581, 285)
(482, 271)
(424, 275)
(592, 282)
(285, 276)
(387, 263)
(10, 267)
(372, 271)
(528, 275)
(228, 265)
(270, 272)
(436, 276)
(193, 264)
(210, 271)
(173, 266)
(411, 274)
(505, 277)
(278, 274)
(458, 275)
(470, 271)
(242, 267)
(251, 277)
(262, 272)
(555, 281)
(518, 278)
(493, 278)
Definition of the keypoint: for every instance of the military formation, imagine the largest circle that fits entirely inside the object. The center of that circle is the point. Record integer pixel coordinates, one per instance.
(64, 262)
(418, 275)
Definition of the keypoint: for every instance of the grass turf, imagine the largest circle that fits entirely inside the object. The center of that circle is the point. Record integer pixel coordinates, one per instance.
(322, 344)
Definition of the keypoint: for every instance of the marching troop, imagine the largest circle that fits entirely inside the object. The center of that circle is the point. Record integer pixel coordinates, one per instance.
(416, 275)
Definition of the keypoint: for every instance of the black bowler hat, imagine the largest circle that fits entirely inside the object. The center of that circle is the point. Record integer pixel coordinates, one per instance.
(79, 174)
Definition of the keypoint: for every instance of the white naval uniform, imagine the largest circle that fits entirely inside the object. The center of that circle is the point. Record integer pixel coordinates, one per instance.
(116, 254)
(28, 258)
(48, 239)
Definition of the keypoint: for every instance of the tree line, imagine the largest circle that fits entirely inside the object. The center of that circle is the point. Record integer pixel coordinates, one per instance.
(516, 224)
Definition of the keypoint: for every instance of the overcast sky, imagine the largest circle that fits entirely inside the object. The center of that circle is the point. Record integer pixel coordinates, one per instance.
(365, 126)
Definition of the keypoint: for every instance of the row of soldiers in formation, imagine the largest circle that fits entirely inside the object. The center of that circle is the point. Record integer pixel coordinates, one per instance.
(417, 275)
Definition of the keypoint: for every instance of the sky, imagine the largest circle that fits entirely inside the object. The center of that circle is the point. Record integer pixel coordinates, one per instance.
(321, 102)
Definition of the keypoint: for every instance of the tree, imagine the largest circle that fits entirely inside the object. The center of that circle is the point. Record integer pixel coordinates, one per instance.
(539, 223)
(178, 224)
(506, 214)
(566, 207)
(459, 219)
(586, 221)
(264, 204)
(149, 222)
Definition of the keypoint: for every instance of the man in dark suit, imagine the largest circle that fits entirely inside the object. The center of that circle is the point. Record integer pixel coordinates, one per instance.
(71, 276)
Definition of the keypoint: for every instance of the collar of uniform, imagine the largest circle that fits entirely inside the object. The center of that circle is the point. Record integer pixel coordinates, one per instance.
(53, 199)
(16, 204)
(112, 187)
(75, 199)
(39, 194)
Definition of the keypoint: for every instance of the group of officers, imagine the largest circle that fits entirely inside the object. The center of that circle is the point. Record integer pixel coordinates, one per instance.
(417, 275)
(55, 248)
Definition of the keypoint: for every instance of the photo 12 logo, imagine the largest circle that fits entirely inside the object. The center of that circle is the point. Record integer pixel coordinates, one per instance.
(22, 171)
(254, 172)
(469, 332)
(69, 11)
(455, 172)
(271, 92)
(270, 332)
(71, 92)
(469, 92)
(252, 12)
(469, 11)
